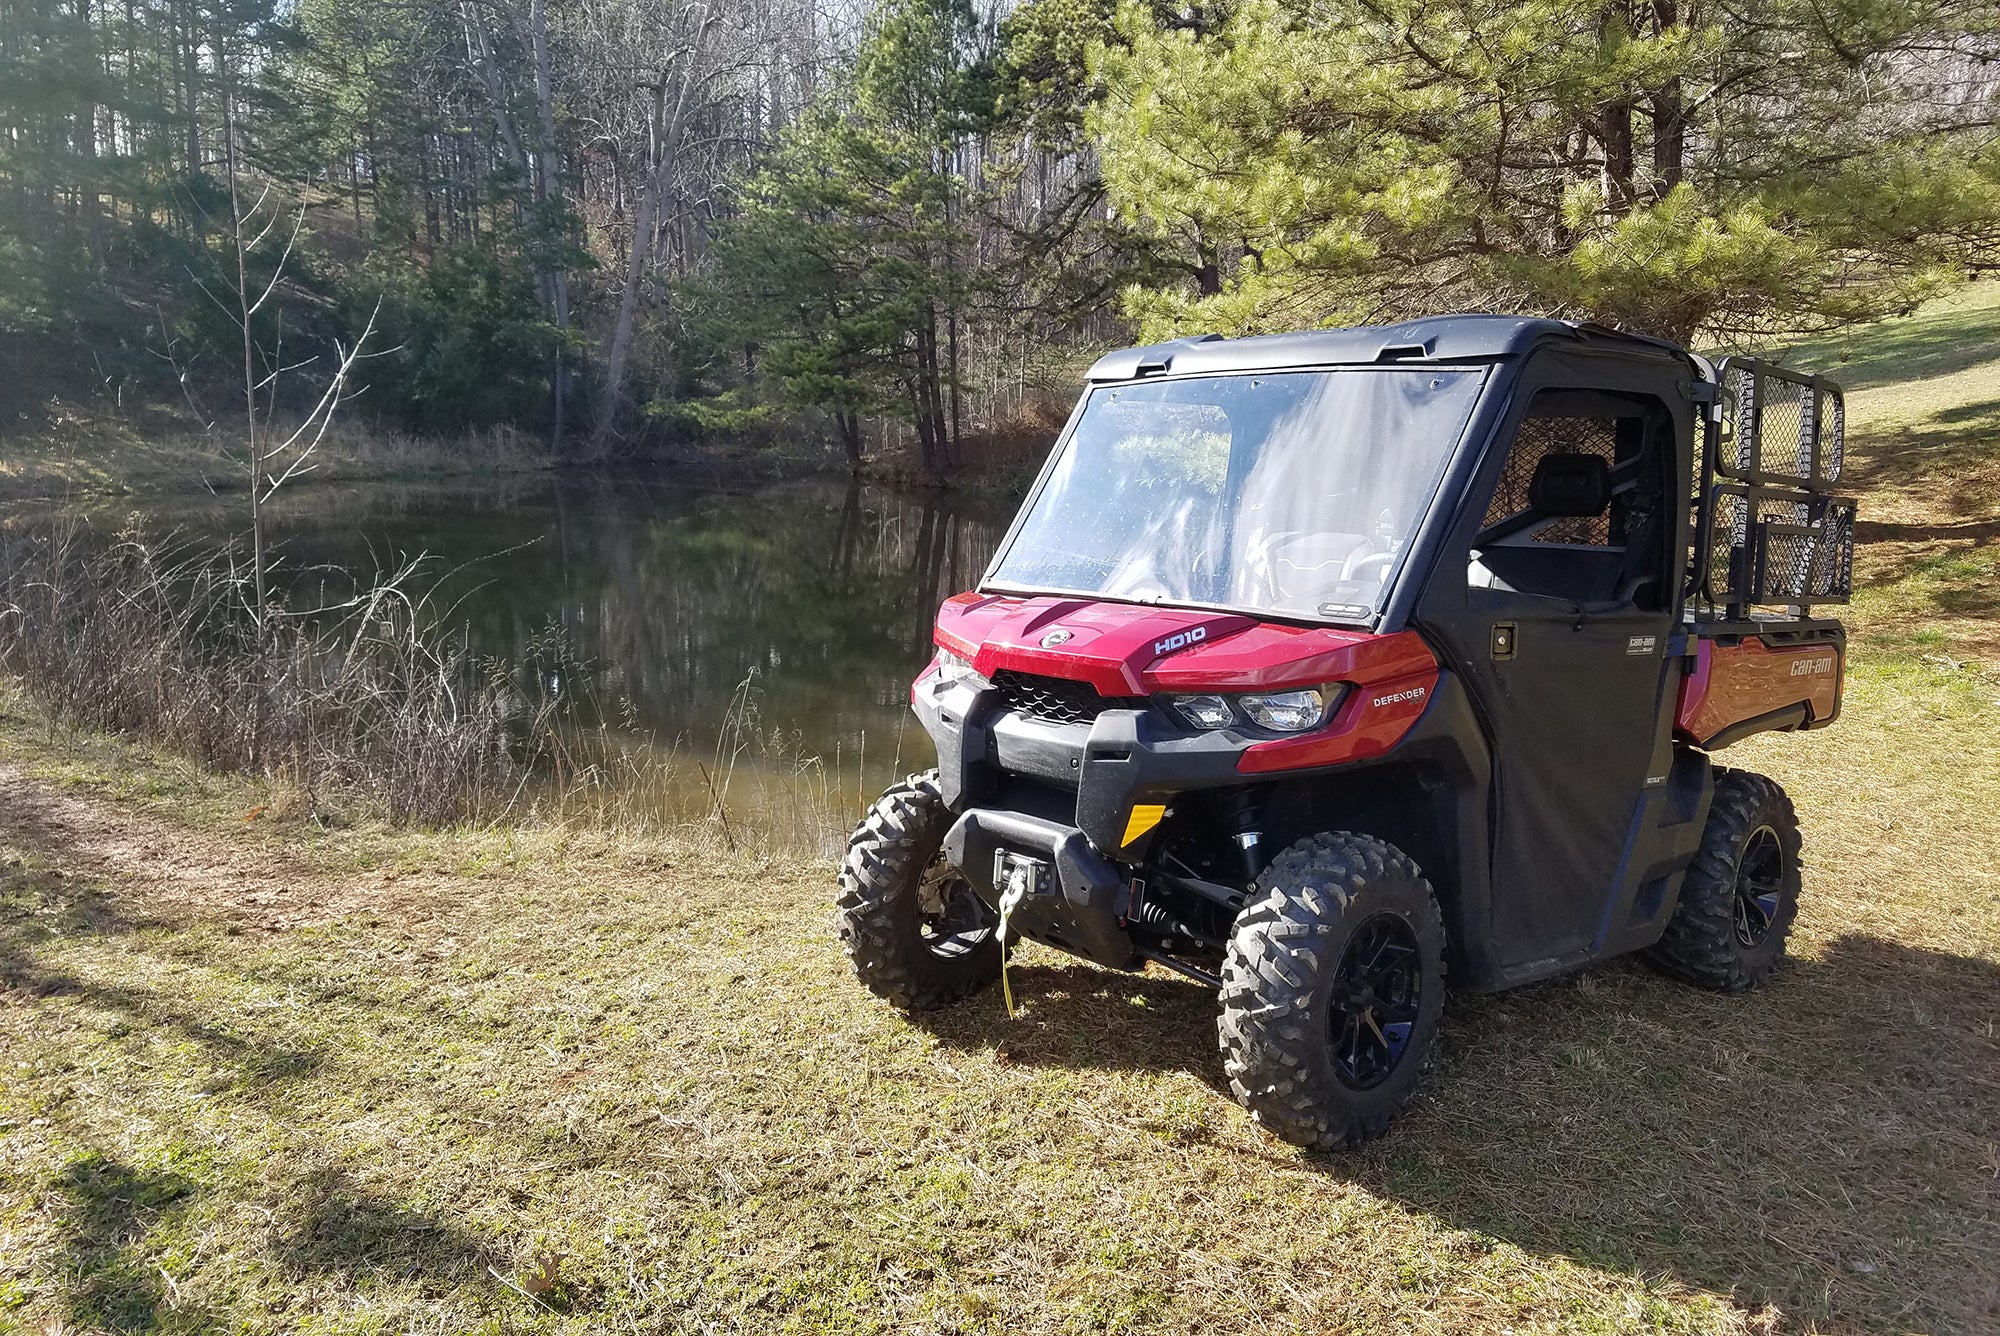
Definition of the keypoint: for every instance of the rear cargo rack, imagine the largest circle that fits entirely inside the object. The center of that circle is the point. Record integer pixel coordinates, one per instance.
(1770, 527)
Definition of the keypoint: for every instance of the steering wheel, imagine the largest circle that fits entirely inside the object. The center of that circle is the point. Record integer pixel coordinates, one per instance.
(1361, 560)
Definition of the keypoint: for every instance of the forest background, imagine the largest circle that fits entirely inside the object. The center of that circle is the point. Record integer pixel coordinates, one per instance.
(889, 236)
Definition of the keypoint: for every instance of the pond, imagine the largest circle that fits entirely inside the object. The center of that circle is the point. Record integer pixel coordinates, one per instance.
(776, 621)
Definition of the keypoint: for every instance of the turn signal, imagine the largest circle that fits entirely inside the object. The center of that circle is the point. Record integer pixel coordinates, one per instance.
(1205, 711)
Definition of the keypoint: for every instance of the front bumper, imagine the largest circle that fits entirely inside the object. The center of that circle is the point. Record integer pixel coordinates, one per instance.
(1083, 910)
(1125, 759)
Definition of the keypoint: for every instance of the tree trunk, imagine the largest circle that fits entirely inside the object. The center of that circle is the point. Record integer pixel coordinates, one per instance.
(1614, 123)
(951, 378)
(951, 308)
(849, 423)
(1614, 132)
(546, 194)
(1208, 271)
(538, 167)
(241, 246)
(628, 310)
(1669, 114)
(931, 424)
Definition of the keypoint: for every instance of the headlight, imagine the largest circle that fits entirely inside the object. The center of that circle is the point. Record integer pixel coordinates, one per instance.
(1205, 711)
(955, 667)
(1279, 711)
(1286, 711)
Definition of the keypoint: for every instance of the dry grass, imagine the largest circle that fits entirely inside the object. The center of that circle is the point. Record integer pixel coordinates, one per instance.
(72, 453)
(367, 708)
(380, 1071)
(167, 643)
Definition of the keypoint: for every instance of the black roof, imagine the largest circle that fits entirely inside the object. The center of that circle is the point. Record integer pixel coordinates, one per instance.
(1442, 338)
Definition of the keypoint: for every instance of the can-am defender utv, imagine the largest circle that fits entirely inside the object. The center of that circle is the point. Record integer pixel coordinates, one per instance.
(1315, 662)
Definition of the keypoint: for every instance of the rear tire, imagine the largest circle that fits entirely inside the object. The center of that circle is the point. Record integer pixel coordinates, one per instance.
(1332, 990)
(1740, 894)
(917, 934)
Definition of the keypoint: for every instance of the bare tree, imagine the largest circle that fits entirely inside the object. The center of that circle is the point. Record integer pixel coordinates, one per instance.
(671, 87)
(539, 163)
(273, 461)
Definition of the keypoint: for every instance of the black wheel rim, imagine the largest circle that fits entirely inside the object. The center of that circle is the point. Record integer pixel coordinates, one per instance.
(951, 918)
(1760, 885)
(1376, 993)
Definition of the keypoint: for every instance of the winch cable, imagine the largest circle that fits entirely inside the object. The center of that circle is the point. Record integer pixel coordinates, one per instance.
(1016, 892)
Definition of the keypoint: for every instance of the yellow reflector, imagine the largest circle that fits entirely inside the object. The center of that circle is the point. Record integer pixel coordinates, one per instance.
(1144, 817)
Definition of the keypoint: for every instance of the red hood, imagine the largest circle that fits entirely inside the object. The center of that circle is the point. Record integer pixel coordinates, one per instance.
(1126, 649)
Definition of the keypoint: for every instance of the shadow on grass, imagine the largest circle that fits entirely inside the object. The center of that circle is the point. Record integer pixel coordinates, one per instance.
(117, 1219)
(1951, 444)
(1827, 1145)
(38, 904)
(1977, 532)
(332, 1228)
(1938, 343)
(330, 1231)
(1083, 1017)
(108, 1211)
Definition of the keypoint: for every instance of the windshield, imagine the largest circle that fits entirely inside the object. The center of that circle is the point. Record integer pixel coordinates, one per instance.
(1292, 493)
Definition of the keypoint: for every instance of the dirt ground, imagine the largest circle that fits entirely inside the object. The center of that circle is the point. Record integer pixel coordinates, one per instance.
(180, 870)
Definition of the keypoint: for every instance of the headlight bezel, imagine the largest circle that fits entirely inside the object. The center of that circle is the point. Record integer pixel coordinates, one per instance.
(1259, 710)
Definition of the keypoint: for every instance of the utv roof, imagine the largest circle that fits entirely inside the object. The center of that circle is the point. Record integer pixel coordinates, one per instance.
(1443, 338)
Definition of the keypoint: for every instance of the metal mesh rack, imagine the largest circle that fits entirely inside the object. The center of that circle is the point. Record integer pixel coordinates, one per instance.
(1771, 529)
(1778, 426)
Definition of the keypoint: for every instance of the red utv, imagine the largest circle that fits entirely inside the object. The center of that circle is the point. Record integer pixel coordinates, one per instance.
(1315, 663)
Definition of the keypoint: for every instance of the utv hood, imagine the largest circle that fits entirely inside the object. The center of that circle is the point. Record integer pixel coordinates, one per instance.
(1129, 649)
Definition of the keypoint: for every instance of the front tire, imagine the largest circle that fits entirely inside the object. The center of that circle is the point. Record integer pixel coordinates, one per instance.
(1332, 990)
(1740, 894)
(917, 934)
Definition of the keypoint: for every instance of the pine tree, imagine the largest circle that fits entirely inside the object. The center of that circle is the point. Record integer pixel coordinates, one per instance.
(1674, 166)
(849, 262)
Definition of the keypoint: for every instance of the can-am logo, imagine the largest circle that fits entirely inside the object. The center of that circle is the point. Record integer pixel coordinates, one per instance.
(1414, 693)
(1056, 637)
(1812, 667)
(1192, 636)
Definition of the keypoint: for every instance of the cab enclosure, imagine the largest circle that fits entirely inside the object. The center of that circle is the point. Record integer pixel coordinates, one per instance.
(1487, 589)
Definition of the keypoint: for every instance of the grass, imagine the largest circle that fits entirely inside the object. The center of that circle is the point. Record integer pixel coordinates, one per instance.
(1924, 455)
(264, 1075)
(69, 453)
(281, 1078)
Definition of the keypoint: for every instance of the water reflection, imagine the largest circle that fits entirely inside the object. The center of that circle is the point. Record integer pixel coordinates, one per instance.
(657, 601)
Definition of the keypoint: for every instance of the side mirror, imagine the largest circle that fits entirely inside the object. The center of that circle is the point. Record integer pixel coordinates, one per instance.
(1570, 485)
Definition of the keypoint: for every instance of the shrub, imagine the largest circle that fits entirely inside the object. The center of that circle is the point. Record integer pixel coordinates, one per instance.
(163, 643)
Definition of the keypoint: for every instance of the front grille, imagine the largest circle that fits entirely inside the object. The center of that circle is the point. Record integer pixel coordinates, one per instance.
(1058, 699)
